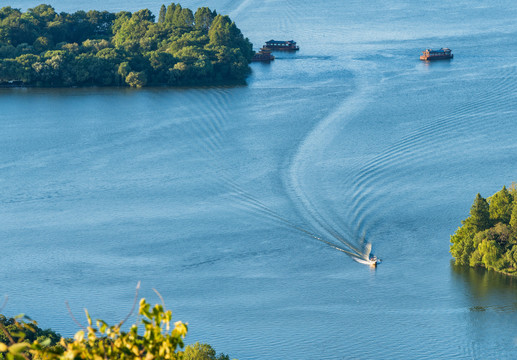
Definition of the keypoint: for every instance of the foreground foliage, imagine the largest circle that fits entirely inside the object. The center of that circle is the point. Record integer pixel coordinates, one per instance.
(22, 339)
(43, 48)
(488, 237)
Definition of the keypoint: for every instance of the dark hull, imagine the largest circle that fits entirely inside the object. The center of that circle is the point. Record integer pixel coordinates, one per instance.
(285, 48)
(262, 58)
(431, 58)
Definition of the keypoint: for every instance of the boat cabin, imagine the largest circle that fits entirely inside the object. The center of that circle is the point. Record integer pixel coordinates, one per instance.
(282, 45)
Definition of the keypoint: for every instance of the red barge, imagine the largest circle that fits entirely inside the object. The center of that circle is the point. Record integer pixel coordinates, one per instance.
(442, 54)
(263, 55)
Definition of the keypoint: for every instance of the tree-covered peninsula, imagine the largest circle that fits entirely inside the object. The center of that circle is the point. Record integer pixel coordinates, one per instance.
(488, 237)
(41, 47)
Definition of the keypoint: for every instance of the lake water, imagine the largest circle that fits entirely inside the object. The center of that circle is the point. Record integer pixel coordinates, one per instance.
(352, 135)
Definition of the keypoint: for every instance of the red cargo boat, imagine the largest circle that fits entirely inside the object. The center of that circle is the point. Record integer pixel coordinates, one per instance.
(442, 54)
(263, 55)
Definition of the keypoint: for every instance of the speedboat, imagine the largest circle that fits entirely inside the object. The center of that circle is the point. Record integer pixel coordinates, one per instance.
(373, 261)
(366, 257)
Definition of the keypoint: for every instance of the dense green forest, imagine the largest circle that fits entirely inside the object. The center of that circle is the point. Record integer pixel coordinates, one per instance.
(488, 237)
(41, 47)
(22, 339)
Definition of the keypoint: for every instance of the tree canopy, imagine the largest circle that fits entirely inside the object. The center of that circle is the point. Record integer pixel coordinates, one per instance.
(488, 237)
(41, 47)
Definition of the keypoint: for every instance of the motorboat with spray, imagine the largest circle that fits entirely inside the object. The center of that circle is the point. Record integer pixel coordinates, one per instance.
(366, 257)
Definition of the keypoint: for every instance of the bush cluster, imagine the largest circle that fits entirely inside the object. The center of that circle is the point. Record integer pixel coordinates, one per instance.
(22, 339)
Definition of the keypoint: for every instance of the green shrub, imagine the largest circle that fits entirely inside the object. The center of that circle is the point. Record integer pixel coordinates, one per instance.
(22, 339)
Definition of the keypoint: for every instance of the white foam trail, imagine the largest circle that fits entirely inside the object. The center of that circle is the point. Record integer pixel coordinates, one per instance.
(312, 148)
(234, 13)
(254, 204)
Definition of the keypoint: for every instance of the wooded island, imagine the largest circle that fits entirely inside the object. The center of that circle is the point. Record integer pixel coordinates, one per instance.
(40, 47)
(488, 237)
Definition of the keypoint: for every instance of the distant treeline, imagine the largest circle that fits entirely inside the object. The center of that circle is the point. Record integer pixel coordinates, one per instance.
(41, 47)
(488, 237)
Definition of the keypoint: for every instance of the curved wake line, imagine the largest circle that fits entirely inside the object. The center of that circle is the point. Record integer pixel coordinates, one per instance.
(234, 13)
(419, 143)
(410, 147)
(325, 131)
(251, 203)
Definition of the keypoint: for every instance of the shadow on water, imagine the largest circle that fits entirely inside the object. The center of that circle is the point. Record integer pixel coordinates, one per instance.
(293, 56)
(490, 290)
(428, 65)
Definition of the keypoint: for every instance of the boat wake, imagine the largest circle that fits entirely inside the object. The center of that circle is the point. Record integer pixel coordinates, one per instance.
(311, 152)
(360, 253)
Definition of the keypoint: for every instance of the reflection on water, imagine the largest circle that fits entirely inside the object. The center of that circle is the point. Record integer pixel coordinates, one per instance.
(490, 290)
(429, 65)
(490, 304)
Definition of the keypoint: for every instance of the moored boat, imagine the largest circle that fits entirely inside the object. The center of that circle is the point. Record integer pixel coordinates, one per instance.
(263, 55)
(442, 54)
(289, 45)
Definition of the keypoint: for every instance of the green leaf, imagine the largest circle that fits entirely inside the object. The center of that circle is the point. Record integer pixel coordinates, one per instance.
(46, 342)
(19, 335)
(17, 348)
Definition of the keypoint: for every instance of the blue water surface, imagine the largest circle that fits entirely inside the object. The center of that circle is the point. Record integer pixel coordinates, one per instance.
(195, 192)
